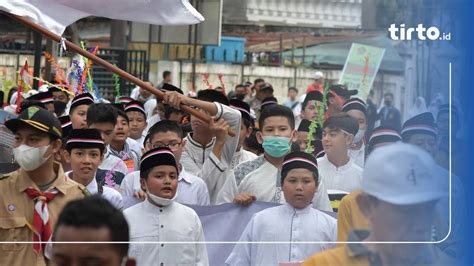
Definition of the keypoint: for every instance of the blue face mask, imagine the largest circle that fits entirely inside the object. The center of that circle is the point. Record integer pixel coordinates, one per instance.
(276, 147)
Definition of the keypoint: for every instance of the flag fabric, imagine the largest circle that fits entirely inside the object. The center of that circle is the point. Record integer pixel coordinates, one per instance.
(24, 83)
(56, 15)
(222, 223)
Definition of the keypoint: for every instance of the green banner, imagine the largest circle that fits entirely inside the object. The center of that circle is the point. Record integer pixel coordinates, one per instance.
(361, 67)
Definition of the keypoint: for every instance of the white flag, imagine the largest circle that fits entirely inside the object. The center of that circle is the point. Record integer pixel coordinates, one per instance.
(56, 15)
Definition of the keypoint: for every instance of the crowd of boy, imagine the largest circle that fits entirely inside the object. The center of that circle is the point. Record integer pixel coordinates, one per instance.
(80, 160)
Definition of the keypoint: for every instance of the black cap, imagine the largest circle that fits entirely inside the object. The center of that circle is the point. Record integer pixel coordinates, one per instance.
(85, 138)
(444, 109)
(37, 118)
(313, 96)
(423, 123)
(156, 157)
(355, 104)
(44, 97)
(243, 107)
(82, 99)
(169, 87)
(299, 159)
(342, 90)
(118, 106)
(66, 125)
(125, 99)
(135, 106)
(268, 101)
(267, 87)
(305, 125)
(383, 134)
(212, 96)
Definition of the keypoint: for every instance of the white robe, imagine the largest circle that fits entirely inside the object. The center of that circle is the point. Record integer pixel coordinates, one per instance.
(173, 223)
(345, 178)
(242, 156)
(201, 161)
(284, 224)
(358, 156)
(264, 183)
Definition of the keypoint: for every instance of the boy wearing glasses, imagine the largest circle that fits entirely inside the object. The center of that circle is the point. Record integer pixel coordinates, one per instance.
(191, 190)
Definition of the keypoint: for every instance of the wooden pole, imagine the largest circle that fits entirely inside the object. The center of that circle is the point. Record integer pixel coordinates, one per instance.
(159, 94)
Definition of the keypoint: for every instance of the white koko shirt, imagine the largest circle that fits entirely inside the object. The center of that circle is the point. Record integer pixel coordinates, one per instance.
(345, 178)
(172, 223)
(284, 224)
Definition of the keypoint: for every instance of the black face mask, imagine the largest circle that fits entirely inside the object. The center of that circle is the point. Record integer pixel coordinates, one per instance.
(240, 96)
(388, 103)
(59, 107)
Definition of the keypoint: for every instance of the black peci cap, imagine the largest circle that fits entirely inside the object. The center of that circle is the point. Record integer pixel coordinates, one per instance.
(299, 159)
(85, 138)
(156, 157)
(243, 107)
(423, 123)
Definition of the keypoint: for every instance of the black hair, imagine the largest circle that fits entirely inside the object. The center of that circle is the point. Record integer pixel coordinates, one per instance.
(258, 81)
(165, 126)
(123, 115)
(166, 74)
(336, 120)
(277, 110)
(144, 174)
(10, 94)
(247, 123)
(293, 89)
(96, 212)
(285, 173)
(252, 143)
(169, 110)
(101, 113)
(305, 103)
(241, 85)
(212, 96)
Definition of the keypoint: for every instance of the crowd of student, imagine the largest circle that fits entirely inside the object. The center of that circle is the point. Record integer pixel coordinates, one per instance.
(82, 160)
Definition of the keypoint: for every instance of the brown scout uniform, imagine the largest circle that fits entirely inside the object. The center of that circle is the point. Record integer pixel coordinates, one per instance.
(16, 214)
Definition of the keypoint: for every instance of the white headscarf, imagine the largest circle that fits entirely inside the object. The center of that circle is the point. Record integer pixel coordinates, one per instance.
(418, 108)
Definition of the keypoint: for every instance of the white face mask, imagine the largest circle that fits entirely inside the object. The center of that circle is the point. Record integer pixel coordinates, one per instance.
(358, 137)
(30, 158)
(159, 200)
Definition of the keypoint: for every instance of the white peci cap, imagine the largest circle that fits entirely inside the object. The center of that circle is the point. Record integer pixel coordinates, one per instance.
(318, 75)
(402, 174)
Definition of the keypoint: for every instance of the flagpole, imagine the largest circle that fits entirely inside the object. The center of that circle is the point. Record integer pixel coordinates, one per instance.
(70, 45)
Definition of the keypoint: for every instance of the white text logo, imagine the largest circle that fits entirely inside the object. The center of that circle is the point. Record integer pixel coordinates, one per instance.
(405, 34)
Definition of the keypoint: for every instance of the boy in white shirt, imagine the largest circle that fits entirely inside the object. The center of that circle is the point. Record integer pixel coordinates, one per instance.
(338, 171)
(161, 219)
(259, 179)
(357, 109)
(246, 126)
(293, 222)
(85, 151)
(103, 117)
(192, 189)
